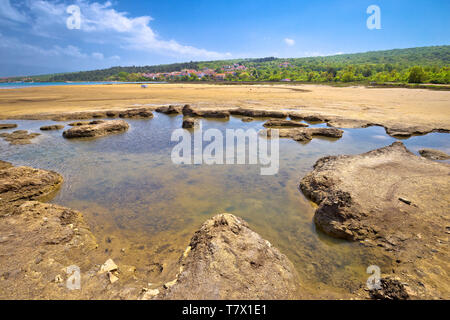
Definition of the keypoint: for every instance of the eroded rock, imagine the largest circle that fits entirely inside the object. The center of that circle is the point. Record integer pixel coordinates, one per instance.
(204, 113)
(283, 123)
(169, 109)
(7, 126)
(52, 127)
(387, 197)
(306, 134)
(19, 137)
(96, 129)
(433, 154)
(189, 123)
(227, 260)
(256, 113)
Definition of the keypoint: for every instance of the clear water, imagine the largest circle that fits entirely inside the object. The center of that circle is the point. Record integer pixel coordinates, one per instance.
(134, 198)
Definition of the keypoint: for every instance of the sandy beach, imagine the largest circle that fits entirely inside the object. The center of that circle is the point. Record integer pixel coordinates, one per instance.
(414, 107)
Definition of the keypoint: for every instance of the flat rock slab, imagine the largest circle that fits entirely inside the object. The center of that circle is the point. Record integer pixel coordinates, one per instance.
(258, 113)
(19, 137)
(433, 154)
(96, 129)
(283, 123)
(25, 183)
(7, 126)
(205, 113)
(307, 134)
(393, 199)
(227, 260)
(52, 127)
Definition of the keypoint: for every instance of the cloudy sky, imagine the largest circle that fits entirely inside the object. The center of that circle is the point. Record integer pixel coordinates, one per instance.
(42, 36)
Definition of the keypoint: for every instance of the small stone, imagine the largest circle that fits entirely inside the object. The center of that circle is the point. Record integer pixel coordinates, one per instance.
(112, 278)
(108, 266)
(58, 279)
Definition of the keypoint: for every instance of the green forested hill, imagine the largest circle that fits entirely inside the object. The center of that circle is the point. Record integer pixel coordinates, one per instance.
(424, 64)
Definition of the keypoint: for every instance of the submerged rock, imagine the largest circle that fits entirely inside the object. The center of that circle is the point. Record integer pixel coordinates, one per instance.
(189, 123)
(306, 134)
(205, 113)
(52, 127)
(258, 113)
(7, 126)
(96, 129)
(19, 137)
(284, 123)
(24, 183)
(227, 260)
(247, 119)
(433, 154)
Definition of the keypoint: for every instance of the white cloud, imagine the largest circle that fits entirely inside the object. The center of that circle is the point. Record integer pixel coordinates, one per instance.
(101, 23)
(10, 12)
(289, 42)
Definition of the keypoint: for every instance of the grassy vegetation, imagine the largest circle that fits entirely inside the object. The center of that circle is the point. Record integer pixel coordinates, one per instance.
(414, 65)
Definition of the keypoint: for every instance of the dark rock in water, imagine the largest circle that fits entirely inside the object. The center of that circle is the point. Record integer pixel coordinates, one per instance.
(8, 126)
(258, 113)
(19, 137)
(227, 260)
(52, 127)
(433, 154)
(204, 113)
(247, 119)
(169, 109)
(96, 129)
(136, 114)
(190, 123)
(307, 117)
(284, 123)
(84, 123)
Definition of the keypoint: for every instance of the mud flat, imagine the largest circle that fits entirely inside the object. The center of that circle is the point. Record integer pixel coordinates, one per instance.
(395, 200)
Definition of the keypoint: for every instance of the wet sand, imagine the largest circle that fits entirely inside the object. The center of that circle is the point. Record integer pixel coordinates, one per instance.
(387, 106)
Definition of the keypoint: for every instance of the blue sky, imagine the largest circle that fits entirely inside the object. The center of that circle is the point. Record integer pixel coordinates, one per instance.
(34, 38)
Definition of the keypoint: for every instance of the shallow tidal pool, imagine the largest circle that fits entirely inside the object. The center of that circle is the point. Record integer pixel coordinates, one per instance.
(143, 209)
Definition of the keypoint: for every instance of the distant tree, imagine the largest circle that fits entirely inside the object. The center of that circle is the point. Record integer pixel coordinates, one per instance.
(416, 75)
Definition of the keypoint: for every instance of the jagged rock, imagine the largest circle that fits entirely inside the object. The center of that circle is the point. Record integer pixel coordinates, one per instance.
(7, 126)
(227, 260)
(96, 129)
(19, 137)
(108, 266)
(204, 113)
(284, 123)
(391, 289)
(433, 154)
(169, 109)
(258, 113)
(52, 127)
(189, 123)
